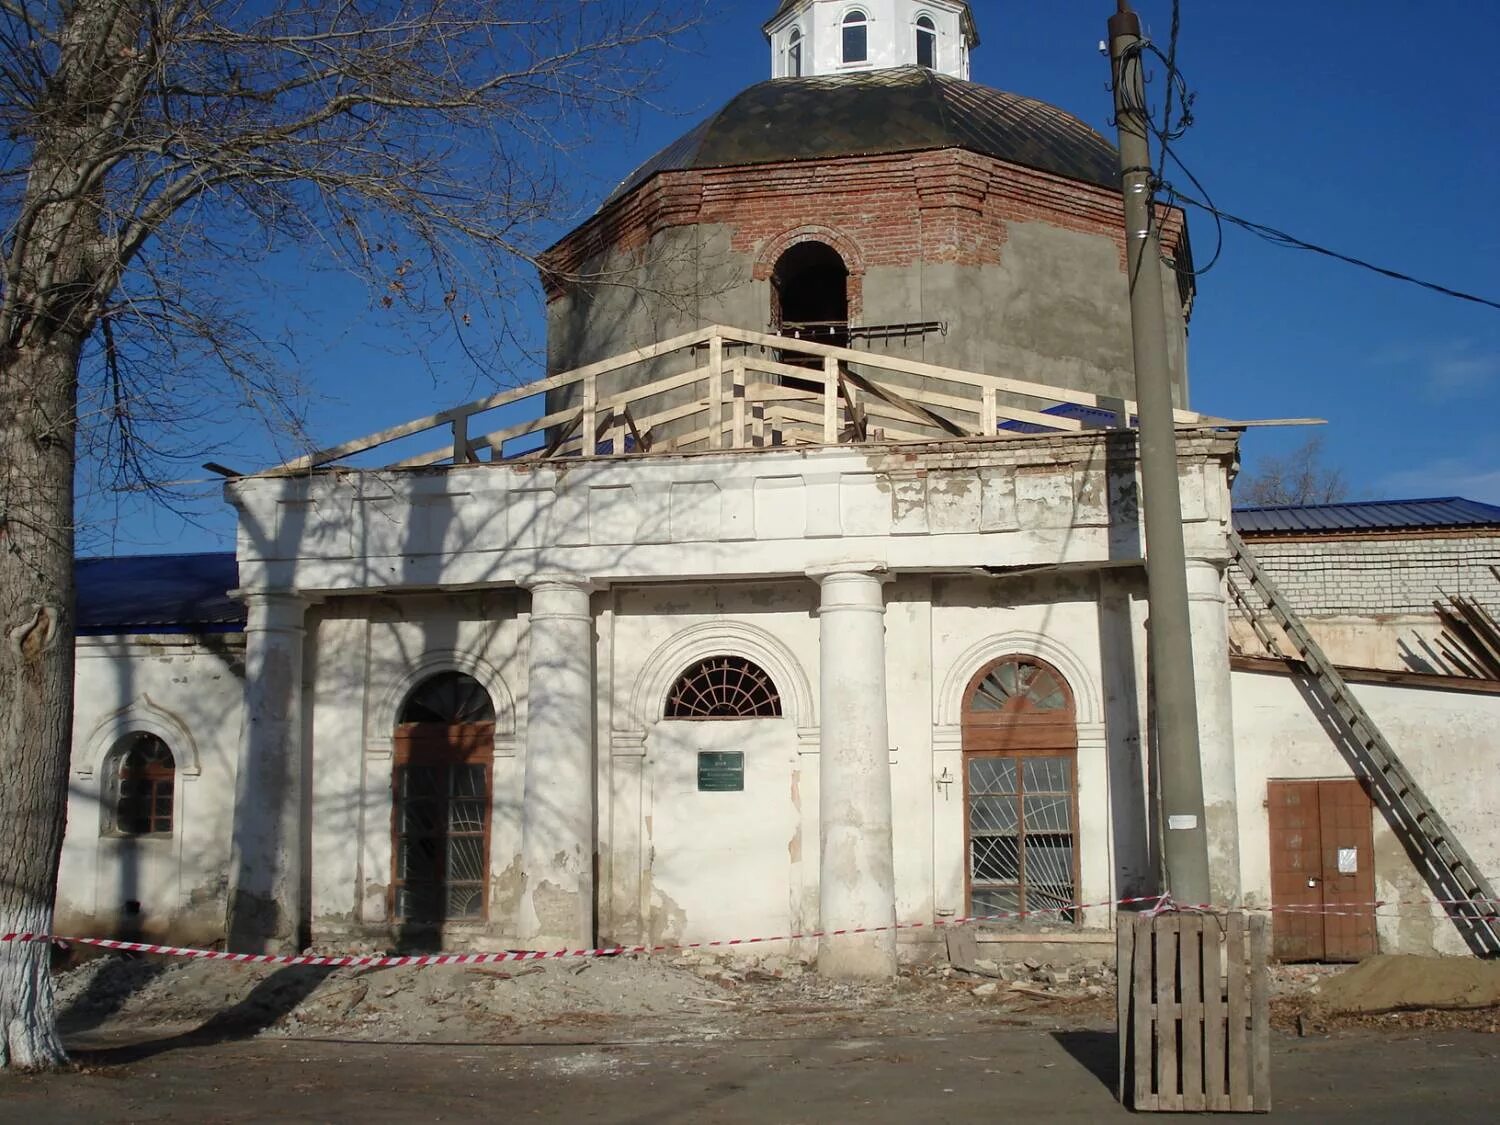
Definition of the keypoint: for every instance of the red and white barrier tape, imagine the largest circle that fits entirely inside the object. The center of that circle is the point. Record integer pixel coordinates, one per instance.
(1161, 903)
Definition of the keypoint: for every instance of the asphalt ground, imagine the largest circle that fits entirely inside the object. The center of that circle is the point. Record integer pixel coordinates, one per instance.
(874, 1067)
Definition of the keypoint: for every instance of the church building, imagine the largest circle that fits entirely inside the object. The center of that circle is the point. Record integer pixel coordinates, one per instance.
(809, 594)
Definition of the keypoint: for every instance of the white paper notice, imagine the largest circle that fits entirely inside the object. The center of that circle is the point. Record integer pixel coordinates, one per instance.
(1348, 861)
(1182, 822)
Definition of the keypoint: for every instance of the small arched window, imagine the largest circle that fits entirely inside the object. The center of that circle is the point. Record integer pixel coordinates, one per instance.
(141, 775)
(856, 37)
(724, 687)
(926, 42)
(794, 53)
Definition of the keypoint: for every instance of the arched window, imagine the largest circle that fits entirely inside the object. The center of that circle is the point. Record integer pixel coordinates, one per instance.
(856, 37)
(445, 741)
(1020, 784)
(141, 774)
(926, 42)
(724, 687)
(794, 53)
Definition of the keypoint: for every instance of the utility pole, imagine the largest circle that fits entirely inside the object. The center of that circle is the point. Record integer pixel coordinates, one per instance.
(1180, 773)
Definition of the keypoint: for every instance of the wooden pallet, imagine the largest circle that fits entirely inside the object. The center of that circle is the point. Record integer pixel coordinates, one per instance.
(1194, 1013)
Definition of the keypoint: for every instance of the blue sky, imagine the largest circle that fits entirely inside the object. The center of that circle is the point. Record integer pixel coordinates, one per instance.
(1367, 127)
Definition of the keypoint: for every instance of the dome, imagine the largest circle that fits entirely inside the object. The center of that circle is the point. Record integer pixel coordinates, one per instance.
(907, 109)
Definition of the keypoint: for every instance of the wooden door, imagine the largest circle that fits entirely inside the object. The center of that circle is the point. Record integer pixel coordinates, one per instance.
(1322, 870)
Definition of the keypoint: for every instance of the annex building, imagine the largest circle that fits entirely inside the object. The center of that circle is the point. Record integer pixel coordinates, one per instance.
(810, 593)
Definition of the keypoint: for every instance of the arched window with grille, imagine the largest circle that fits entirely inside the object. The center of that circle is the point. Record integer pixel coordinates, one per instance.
(723, 687)
(794, 53)
(926, 42)
(140, 777)
(1020, 739)
(856, 40)
(445, 741)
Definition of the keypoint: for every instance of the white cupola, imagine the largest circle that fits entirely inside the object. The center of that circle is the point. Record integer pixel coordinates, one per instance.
(822, 37)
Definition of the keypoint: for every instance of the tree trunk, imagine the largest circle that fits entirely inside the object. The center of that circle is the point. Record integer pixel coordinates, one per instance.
(37, 397)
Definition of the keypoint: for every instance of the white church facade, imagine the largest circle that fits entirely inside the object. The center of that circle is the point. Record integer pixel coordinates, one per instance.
(823, 608)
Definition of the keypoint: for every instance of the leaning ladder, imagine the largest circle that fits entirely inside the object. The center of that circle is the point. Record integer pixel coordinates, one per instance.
(1467, 894)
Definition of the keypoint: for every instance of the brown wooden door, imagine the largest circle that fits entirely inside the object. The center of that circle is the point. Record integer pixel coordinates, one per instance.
(1322, 871)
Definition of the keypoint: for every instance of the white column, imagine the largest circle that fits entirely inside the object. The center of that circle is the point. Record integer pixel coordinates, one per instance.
(856, 871)
(266, 873)
(1208, 619)
(557, 815)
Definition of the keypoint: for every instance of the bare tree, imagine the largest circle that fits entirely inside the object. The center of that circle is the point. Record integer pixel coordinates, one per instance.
(154, 156)
(1298, 477)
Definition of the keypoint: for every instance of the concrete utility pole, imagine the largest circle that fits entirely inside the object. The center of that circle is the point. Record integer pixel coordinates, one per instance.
(1180, 780)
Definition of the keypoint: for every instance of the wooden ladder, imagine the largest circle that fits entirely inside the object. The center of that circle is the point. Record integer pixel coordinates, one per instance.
(1450, 872)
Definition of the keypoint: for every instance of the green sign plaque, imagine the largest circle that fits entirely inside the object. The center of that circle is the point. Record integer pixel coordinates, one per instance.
(721, 771)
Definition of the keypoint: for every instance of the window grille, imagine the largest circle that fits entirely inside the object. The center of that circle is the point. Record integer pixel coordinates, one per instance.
(448, 698)
(926, 43)
(1019, 686)
(724, 687)
(142, 775)
(856, 37)
(1021, 835)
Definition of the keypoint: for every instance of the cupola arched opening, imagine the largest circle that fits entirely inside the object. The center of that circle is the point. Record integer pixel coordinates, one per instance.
(856, 37)
(440, 817)
(926, 43)
(794, 53)
(810, 294)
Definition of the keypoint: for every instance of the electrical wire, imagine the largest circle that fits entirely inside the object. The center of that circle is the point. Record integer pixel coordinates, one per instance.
(1282, 238)
(1167, 132)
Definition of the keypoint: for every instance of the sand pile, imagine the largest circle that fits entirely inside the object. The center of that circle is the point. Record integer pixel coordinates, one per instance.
(1393, 983)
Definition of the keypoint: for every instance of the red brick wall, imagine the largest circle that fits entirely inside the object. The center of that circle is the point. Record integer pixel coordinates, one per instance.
(947, 205)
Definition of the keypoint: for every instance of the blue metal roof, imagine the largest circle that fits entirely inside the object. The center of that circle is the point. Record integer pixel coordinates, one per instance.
(158, 594)
(1091, 417)
(1366, 515)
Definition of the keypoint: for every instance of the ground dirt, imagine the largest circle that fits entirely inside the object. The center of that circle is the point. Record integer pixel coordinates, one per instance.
(684, 1039)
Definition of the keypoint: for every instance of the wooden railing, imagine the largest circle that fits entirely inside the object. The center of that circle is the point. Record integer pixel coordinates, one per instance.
(741, 401)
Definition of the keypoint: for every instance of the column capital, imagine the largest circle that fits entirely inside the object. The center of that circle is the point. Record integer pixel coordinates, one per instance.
(557, 580)
(558, 597)
(273, 610)
(851, 587)
(854, 569)
(1205, 580)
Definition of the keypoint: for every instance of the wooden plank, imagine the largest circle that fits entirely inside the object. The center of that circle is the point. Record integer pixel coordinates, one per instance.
(715, 391)
(1191, 990)
(757, 426)
(497, 438)
(491, 402)
(933, 371)
(1213, 1019)
(830, 400)
(916, 410)
(590, 404)
(1124, 976)
(737, 406)
(1168, 1013)
(1143, 1034)
(896, 432)
(1239, 1074)
(989, 422)
(1260, 1017)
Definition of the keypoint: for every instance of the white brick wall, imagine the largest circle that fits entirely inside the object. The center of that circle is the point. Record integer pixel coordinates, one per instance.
(1381, 576)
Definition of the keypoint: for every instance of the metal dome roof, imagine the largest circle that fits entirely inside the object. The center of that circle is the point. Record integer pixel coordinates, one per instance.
(907, 109)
